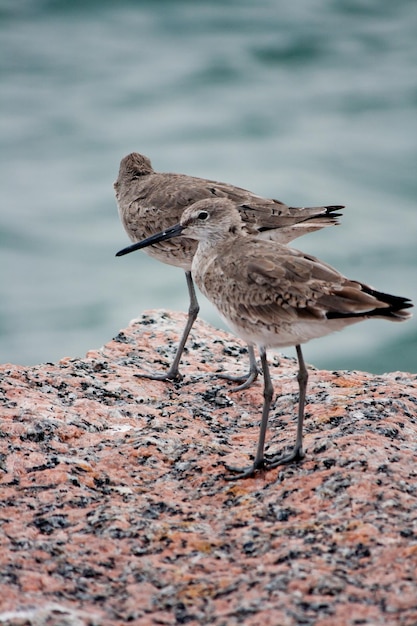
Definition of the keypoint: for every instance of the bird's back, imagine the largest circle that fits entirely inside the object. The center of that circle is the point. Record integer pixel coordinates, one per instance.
(150, 202)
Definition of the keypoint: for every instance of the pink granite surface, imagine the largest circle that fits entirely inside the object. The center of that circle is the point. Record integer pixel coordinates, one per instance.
(114, 508)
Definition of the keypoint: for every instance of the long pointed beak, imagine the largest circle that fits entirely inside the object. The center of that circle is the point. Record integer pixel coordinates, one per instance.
(169, 233)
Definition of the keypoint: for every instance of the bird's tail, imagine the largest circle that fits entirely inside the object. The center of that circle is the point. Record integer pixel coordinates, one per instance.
(383, 305)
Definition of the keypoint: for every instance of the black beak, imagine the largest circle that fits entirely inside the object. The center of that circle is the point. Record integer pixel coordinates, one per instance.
(174, 231)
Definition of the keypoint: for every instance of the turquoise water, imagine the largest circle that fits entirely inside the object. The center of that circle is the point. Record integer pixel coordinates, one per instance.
(311, 102)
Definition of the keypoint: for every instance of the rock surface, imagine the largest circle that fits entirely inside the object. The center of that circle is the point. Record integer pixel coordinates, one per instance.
(114, 506)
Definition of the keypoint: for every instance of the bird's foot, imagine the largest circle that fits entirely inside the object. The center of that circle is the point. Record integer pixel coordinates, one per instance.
(264, 464)
(172, 375)
(244, 472)
(295, 455)
(245, 379)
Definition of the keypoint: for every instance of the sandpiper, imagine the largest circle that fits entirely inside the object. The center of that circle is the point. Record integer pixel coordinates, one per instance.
(149, 202)
(272, 296)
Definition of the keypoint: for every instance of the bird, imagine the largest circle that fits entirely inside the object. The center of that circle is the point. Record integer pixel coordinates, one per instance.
(149, 202)
(272, 296)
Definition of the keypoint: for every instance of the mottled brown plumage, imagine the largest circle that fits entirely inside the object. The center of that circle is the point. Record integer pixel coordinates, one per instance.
(149, 202)
(273, 296)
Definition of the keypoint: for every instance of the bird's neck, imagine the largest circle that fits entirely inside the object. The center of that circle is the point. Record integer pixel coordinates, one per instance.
(216, 245)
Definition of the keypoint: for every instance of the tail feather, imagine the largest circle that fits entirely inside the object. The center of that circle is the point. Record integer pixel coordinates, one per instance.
(299, 222)
(331, 211)
(393, 308)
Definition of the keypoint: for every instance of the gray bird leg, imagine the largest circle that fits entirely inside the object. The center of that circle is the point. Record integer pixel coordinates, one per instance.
(260, 461)
(297, 453)
(173, 373)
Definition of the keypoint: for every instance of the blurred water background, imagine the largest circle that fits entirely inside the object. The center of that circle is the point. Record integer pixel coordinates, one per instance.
(311, 102)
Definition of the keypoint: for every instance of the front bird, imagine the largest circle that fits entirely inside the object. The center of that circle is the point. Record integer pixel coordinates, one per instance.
(272, 296)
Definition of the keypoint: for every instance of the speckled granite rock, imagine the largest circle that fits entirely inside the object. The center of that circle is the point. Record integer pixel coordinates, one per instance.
(114, 508)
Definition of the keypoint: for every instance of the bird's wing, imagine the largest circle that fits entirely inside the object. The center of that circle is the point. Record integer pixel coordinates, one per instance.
(271, 280)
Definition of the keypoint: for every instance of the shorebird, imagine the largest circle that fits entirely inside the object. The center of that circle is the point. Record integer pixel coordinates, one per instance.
(272, 296)
(149, 202)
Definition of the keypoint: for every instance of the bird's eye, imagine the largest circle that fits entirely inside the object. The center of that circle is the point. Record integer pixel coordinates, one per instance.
(203, 215)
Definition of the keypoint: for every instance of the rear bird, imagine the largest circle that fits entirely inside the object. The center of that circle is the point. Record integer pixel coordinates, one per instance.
(149, 202)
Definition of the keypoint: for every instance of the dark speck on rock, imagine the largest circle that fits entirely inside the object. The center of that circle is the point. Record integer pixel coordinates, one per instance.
(216, 396)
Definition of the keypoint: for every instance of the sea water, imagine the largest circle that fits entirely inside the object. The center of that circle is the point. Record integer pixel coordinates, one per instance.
(310, 102)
